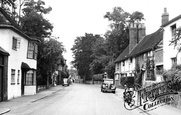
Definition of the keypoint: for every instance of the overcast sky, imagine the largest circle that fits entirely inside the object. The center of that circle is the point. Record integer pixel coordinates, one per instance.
(73, 18)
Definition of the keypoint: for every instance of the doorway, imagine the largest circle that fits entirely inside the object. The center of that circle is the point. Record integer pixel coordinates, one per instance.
(1, 84)
(23, 81)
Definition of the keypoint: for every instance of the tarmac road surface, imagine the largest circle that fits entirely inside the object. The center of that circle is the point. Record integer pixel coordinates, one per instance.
(76, 99)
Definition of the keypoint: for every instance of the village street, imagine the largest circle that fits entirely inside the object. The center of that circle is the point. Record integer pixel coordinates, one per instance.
(77, 99)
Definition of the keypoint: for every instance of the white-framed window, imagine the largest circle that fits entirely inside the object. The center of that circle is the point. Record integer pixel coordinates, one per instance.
(32, 50)
(173, 30)
(16, 43)
(18, 77)
(13, 73)
(174, 61)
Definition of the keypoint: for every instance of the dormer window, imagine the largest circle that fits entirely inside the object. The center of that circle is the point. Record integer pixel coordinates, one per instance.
(32, 50)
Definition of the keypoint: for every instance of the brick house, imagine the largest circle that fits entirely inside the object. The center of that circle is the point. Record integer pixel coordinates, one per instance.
(18, 64)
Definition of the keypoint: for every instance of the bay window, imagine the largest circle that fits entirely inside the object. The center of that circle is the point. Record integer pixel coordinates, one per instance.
(30, 77)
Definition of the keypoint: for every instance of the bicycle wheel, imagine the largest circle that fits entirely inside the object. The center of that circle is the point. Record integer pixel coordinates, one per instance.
(130, 106)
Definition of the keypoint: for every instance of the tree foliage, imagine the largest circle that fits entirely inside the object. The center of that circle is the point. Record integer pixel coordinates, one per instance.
(176, 40)
(32, 22)
(82, 51)
(173, 77)
(137, 16)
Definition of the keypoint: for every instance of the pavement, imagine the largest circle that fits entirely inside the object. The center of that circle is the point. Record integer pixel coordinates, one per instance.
(25, 100)
(160, 110)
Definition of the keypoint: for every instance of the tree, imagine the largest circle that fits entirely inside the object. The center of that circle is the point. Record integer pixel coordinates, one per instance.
(50, 54)
(116, 38)
(32, 22)
(82, 51)
(136, 17)
(99, 53)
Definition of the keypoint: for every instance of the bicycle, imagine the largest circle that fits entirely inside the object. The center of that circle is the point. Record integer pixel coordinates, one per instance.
(129, 94)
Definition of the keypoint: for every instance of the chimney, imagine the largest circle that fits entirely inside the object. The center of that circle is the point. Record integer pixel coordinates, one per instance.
(165, 17)
(136, 33)
(141, 31)
(132, 36)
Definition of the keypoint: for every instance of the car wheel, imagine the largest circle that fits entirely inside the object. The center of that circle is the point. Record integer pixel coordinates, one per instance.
(114, 91)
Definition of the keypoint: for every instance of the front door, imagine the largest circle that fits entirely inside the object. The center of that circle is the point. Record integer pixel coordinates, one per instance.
(23, 81)
(1, 84)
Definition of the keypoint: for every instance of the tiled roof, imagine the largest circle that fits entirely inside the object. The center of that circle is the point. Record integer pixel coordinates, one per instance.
(3, 51)
(123, 55)
(145, 45)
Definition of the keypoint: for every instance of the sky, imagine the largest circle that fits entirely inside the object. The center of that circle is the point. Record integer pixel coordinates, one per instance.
(74, 18)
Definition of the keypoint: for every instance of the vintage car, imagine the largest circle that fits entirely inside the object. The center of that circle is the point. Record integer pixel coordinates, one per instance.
(65, 82)
(108, 86)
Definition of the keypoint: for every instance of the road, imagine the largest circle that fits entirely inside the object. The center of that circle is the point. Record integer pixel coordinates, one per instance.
(77, 99)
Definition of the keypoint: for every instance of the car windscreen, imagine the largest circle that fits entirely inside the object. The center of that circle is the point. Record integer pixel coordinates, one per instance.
(108, 81)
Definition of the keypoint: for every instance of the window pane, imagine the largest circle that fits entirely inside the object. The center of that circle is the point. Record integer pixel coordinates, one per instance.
(18, 76)
(36, 48)
(32, 50)
(35, 56)
(14, 43)
(30, 46)
(29, 76)
(34, 78)
(12, 75)
(1, 60)
(30, 54)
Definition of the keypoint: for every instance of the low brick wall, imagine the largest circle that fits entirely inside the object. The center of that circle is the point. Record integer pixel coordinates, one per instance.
(41, 87)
